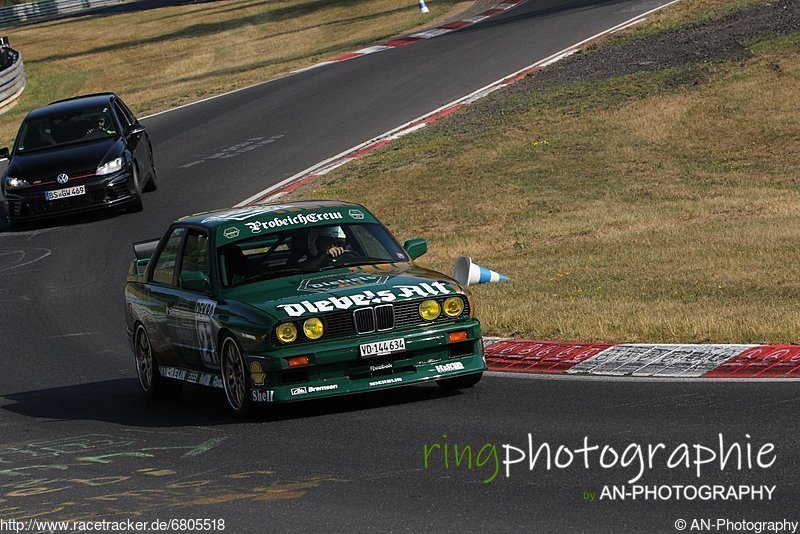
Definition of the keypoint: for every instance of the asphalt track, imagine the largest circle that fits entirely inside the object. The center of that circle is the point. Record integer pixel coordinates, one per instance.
(77, 440)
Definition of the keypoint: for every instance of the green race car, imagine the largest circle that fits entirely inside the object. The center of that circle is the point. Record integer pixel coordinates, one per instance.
(296, 301)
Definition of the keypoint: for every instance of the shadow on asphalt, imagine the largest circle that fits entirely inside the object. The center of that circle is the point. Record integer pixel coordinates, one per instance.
(120, 401)
(55, 222)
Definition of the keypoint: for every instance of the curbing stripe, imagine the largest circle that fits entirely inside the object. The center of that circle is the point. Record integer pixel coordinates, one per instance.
(643, 360)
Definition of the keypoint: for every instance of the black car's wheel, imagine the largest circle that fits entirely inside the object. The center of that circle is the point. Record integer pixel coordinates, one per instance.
(152, 183)
(460, 382)
(234, 377)
(136, 203)
(153, 384)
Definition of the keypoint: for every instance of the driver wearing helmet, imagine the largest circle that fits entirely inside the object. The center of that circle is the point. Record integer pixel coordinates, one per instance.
(325, 244)
(102, 124)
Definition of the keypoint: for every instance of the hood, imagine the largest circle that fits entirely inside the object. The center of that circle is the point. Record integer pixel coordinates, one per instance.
(344, 289)
(77, 158)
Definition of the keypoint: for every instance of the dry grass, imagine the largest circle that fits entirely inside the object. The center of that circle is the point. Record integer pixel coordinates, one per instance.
(625, 210)
(159, 58)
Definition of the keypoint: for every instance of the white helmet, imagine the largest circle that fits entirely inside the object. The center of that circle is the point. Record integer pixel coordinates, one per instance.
(332, 232)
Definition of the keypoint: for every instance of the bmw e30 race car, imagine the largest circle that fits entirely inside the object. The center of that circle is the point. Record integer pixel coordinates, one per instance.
(295, 301)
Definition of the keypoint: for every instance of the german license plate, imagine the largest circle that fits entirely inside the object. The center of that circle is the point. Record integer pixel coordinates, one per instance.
(379, 348)
(64, 193)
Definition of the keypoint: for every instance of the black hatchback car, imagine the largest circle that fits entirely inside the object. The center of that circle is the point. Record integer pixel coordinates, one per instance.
(79, 154)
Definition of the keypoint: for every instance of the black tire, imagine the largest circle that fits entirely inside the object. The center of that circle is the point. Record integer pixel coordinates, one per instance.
(136, 204)
(235, 379)
(152, 183)
(153, 384)
(460, 382)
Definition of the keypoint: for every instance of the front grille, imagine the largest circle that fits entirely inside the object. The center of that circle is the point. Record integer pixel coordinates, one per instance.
(384, 317)
(401, 315)
(364, 320)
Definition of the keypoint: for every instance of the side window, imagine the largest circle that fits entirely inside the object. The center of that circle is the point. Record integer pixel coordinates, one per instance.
(164, 271)
(195, 253)
(124, 118)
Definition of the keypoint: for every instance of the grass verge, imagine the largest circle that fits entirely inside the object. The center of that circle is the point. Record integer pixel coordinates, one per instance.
(160, 58)
(653, 207)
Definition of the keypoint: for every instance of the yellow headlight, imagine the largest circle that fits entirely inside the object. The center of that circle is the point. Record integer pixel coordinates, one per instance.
(453, 307)
(313, 328)
(287, 332)
(429, 310)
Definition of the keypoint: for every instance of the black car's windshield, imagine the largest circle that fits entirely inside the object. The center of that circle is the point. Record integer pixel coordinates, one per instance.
(306, 250)
(65, 129)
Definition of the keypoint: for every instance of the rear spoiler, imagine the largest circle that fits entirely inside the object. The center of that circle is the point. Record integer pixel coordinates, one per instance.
(143, 250)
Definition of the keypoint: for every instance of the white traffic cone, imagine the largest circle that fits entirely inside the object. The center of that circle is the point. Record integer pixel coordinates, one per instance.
(422, 7)
(468, 273)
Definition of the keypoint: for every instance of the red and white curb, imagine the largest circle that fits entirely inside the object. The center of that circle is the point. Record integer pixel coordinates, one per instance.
(643, 360)
(282, 188)
(418, 36)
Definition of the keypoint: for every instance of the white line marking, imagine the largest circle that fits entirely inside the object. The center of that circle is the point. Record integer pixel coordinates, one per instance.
(475, 95)
(598, 378)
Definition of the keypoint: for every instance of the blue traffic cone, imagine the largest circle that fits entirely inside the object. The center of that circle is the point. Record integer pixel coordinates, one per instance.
(422, 7)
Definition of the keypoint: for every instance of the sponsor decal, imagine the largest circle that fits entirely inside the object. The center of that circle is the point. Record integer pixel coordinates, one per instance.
(365, 298)
(260, 395)
(195, 377)
(386, 381)
(452, 366)
(356, 214)
(381, 367)
(293, 220)
(299, 391)
(327, 387)
(327, 283)
(231, 233)
(62, 178)
(203, 310)
(257, 373)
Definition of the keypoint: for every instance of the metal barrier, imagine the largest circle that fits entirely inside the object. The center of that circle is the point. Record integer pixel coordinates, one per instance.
(12, 78)
(31, 12)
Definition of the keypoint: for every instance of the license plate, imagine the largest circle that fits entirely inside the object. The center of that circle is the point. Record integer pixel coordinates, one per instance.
(379, 348)
(64, 193)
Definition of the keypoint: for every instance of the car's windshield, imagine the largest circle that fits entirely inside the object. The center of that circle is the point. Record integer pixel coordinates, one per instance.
(64, 129)
(306, 250)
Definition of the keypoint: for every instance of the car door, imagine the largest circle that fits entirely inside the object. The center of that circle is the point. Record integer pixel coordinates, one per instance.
(190, 323)
(137, 142)
(163, 295)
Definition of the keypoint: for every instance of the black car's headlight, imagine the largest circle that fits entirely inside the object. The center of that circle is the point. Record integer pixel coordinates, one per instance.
(16, 183)
(112, 166)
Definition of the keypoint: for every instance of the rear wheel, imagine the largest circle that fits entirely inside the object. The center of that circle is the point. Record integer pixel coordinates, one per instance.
(460, 382)
(234, 377)
(150, 379)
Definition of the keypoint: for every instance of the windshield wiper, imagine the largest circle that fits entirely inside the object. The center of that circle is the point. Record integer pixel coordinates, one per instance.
(269, 275)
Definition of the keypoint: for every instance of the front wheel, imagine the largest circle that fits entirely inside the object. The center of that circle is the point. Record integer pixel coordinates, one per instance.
(460, 382)
(136, 204)
(234, 377)
(153, 384)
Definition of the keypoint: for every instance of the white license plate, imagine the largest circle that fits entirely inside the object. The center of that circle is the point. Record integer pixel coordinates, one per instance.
(64, 193)
(379, 348)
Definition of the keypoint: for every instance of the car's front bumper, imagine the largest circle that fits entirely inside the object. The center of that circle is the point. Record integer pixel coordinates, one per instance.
(336, 367)
(101, 192)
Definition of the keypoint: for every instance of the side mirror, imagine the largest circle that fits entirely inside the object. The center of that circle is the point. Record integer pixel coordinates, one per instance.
(4, 153)
(139, 266)
(195, 281)
(136, 129)
(416, 247)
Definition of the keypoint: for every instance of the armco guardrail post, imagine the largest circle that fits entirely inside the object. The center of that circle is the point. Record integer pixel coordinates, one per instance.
(12, 75)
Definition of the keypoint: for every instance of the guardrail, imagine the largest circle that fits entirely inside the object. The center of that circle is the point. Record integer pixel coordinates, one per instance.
(31, 12)
(12, 78)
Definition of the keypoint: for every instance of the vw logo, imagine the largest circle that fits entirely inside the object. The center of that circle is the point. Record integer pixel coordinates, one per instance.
(62, 178)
